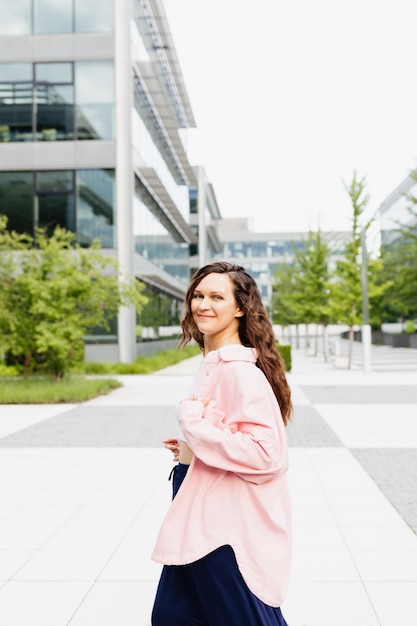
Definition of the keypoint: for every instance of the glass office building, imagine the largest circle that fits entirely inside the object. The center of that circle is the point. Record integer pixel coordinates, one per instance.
(93, 120)
(205, 214)
(262, 254)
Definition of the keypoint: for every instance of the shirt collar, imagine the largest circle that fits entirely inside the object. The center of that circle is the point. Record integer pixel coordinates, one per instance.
(233, 352)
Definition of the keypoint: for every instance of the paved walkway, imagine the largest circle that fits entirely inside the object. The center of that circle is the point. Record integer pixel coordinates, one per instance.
(83, 489)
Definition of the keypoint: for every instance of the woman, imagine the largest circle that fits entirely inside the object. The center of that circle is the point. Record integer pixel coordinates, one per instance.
(226, 540)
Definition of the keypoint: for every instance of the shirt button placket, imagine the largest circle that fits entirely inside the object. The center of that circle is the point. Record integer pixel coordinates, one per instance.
(205, 382)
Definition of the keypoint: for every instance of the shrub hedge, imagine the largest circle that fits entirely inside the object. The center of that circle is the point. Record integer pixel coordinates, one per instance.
(285, 352)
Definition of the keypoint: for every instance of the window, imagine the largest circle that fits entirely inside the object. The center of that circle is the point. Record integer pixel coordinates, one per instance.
(16, 18)
(96, 191)
(81, 201)
(94, 88)
(193, 195)
(54, 97)
(16, 200)
(15, 102)
(55, 200)
(44, 101)
(94, 16)
(25, 17)
(52, 16)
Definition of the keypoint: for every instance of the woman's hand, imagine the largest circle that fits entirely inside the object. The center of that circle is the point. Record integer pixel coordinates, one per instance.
(174, 446)
(204, 400)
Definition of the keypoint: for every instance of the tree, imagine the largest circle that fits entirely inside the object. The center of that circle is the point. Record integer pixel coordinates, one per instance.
(52, 292)
(286, 306)
(312, 282)
(400, 269)
(346, 289)
(301, 290)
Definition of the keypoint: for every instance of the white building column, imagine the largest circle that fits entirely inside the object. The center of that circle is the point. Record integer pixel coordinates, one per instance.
(123, 12)
(366, 328)
(201, 212)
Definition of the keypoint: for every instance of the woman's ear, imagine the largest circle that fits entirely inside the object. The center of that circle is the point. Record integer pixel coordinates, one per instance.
(240, 313)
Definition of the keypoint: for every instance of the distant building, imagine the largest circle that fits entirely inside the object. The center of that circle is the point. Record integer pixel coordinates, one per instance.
(393, 212)
(263, 253)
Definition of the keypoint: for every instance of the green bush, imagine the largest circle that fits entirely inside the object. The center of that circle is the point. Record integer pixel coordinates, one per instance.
(8, 371)
(410, 326)
(52, 294)
(285, 352)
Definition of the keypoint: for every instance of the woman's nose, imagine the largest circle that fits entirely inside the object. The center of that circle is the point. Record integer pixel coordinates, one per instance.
(204, 303)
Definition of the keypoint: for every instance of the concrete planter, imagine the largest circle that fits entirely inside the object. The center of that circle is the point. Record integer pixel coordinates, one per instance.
(396, 340)
(378, 337)
(413, 341)
(401, 341)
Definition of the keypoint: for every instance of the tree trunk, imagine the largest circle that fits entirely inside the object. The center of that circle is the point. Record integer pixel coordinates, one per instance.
(324, 337)
(349, 363)
(26, 364)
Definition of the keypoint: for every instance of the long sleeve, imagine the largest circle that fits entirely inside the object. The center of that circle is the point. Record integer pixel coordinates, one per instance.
(238, 430)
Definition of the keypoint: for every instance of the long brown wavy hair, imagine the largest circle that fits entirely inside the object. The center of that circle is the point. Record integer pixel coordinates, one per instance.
(255, 328)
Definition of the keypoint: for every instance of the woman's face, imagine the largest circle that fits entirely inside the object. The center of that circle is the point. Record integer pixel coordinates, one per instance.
(215, 311)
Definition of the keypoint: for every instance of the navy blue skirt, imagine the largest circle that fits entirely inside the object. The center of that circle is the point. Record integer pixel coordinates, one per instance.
(177, 474)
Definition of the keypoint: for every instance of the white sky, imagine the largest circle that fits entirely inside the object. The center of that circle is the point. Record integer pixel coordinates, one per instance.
(291, 96)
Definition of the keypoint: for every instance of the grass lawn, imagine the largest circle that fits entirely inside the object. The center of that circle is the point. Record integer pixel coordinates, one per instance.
(144, 364)
(40, 390)
(76, 387)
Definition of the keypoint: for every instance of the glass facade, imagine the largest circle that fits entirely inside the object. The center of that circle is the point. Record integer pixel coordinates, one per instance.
(81, 201)
(16, 102)
(160, 310)
(52, 16)
(156, 244)
(16, 17)
(94, 16)
(257, 249)
(54, 200)
(53, 101)
(56, 101)
(25, 17)
(16, 200)
(151, 153)
(193, 196)
(96, 199)
(262, 254)
(94, 88)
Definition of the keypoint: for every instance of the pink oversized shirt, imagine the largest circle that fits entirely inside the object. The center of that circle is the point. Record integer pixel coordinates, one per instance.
(235, 491)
